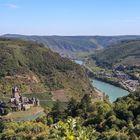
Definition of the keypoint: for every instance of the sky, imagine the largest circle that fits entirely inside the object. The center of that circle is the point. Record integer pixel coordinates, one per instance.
(70, 17)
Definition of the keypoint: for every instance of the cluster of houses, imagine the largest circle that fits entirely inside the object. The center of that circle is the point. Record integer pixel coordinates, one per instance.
(121, 75)
(18, 102)
(126, 82)
(131, 85)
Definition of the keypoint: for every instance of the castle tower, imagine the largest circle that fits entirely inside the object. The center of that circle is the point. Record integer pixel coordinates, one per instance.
(15, 93)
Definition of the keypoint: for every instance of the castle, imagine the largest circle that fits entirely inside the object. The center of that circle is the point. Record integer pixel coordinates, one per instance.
(19, 102)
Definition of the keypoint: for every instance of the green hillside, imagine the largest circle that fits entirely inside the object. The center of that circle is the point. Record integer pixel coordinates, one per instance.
(75, 46)
(36, 69)
(126, 52)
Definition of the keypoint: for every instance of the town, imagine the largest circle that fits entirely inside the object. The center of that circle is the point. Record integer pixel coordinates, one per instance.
(118, 76)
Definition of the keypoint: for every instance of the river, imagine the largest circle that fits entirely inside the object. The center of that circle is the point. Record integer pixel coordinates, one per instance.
(112, 91)
(78, 62)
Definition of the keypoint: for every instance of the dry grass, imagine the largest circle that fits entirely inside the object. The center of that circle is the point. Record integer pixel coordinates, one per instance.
(59, 95)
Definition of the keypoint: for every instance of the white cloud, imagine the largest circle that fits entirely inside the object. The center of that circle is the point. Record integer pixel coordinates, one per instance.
(10, 5)
(13, 6)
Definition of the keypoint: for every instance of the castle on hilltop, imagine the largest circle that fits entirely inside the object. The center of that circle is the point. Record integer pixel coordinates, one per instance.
(19, 102)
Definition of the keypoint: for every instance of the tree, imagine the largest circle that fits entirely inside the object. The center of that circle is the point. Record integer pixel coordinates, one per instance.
(72, 108)
(86, 101)
(85, 105)
(56, 112)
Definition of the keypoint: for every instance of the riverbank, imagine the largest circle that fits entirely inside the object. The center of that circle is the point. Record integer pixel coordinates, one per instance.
(126, 84)
(104, 86)
(103, 79)
(114, 83)
(114, 77)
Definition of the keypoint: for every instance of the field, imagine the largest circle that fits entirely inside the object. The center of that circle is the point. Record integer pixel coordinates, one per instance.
(48, 99)
(30, 114)
(45, 98)
(59, 95)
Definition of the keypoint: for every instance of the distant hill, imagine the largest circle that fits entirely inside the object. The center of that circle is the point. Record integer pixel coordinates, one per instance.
(35, 68)
(125, 52)
(70, 46)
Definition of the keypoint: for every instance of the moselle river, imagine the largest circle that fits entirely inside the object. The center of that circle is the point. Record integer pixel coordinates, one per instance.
(112, 91)
(78, 62)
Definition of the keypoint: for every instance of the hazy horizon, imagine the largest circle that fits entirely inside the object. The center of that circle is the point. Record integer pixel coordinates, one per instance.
(68, 35)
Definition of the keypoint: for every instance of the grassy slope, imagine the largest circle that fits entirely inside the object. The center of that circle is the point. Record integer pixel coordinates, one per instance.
(127, 52)
(37, 69)
(30, 114)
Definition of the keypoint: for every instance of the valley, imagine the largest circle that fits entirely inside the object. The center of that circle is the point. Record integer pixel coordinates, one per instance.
(69, 70)
(39, 77)
(114, 59)
(75, 47)
(118, 65)
(36, 69)
(113, 91)
(123, 77)
(67, 96)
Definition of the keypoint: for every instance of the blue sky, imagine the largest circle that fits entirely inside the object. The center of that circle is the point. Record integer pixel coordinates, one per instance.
(70, 17)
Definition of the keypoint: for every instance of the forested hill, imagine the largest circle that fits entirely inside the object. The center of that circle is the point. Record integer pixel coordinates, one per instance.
(35, 68)
(125, 52)
(71, 46)
(84, 120)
